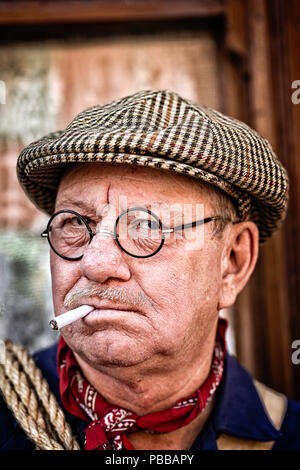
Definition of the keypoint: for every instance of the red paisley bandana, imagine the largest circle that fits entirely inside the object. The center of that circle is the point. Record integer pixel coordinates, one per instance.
(109, 424)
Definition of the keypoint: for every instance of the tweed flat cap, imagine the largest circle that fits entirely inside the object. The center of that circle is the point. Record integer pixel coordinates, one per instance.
(161, 129)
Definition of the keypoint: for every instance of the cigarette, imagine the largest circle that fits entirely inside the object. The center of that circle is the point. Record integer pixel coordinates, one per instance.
(70, 316)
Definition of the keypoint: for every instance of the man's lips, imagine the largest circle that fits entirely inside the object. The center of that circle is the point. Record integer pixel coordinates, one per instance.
(105, 305)
(106, 311)
(107, 316)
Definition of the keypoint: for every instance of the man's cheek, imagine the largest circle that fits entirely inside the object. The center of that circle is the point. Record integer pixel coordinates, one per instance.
(63, 278)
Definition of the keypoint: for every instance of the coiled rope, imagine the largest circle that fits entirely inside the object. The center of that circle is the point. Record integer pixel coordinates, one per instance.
(34, 406)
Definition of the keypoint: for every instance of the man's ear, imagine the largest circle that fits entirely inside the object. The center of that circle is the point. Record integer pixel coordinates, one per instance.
(239, 259)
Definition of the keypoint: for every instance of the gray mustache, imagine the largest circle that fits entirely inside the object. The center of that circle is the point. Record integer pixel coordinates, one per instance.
(122, 295)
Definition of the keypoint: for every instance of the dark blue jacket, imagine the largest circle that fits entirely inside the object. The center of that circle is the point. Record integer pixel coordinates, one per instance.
(238, 411)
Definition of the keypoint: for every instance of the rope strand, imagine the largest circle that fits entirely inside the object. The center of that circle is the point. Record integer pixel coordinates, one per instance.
(34, 406)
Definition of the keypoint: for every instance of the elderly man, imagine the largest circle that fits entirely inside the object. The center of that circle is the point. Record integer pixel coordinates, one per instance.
(157, 209)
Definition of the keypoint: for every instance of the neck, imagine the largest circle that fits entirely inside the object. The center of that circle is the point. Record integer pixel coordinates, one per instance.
(144, 390)
(179, 439)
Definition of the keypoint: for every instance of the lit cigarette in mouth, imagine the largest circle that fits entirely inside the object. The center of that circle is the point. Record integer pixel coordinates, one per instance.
(70, 316)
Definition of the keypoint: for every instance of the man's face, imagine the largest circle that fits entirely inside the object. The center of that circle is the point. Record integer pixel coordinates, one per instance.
(179, 288)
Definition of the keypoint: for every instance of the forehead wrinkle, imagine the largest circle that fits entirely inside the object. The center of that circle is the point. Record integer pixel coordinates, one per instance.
(193, 193)
(162, 206)
(73, 202)
(71, 184)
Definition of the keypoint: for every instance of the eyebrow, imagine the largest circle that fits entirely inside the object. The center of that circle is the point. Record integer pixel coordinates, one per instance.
(174, 210)
(158, 203)
(75, 203)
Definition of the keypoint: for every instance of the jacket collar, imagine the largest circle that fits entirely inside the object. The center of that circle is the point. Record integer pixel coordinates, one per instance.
(238, 410)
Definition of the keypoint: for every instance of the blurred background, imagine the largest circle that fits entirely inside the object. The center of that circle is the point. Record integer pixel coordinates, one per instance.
(237, 56)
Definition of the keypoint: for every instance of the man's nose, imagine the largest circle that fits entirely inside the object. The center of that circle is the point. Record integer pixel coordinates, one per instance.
(103, 259)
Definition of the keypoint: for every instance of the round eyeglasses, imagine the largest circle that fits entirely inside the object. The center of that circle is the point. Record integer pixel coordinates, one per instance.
(137, 231)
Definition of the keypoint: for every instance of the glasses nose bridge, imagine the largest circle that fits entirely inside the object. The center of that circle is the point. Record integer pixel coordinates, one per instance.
(103, 231)
(105, 226)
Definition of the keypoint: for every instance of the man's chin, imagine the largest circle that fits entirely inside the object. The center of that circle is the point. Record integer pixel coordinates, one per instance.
(115, 350)
(101, 362)
(113, 360)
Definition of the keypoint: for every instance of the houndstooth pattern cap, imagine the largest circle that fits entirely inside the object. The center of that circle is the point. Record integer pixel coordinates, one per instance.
(162, 130)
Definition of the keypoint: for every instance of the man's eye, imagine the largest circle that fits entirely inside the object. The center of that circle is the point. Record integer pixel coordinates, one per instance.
(145, 224)
(73, 222)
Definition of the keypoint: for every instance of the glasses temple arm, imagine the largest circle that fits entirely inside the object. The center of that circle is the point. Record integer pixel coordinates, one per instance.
(196, 222)
(189, 225)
